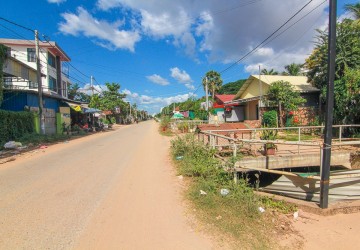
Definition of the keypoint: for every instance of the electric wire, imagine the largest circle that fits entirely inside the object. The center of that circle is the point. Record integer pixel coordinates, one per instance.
(265, 40)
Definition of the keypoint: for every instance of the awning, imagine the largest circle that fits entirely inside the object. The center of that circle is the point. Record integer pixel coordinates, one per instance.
(74, 106)
(92, 111)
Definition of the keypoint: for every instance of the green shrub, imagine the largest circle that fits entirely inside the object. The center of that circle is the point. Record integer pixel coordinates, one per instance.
(269, 119)
(165, 121)
(15, 124)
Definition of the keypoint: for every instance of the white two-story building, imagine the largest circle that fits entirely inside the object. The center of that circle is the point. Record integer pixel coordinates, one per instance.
(53, 79)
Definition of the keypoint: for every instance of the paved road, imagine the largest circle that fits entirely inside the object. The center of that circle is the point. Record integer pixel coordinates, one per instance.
(114, 190)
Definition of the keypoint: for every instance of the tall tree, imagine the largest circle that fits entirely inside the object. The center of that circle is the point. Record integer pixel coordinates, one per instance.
(269, 72)
(347, 54)
(354, 9)
(75, 94)
(292, 69)
(214, 82)
(283, 95)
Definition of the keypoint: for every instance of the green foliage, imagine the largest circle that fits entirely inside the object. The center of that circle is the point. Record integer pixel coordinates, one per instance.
(280, 206)
(347, 97)
(198, 160)
(35, 138)
(75, 94)
(235, 214)
(269, 119)
(3, 55)
(283, 95)
(214, 81)
(292, 69)
(231, 88)
(269, 72)
(347, 54)
(269, 135)
(15, 124)
(165, 121)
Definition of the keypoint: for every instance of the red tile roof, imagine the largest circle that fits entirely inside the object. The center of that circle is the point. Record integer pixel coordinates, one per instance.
(224, 98)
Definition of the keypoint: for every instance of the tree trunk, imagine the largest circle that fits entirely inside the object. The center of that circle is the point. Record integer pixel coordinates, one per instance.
(280, 115)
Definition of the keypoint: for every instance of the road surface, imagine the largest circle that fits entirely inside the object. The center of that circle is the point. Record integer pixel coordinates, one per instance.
(112, 190)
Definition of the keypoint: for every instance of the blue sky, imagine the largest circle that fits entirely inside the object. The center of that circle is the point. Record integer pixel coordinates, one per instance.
(159, 50)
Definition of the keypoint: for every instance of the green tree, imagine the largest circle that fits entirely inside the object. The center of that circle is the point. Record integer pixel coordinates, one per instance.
(214, 82)
(347, 97)
(283, 95)
(347, 54)
(231, 88)
(75, 94)
(354, 9)
(112, 98)
(269, 72)
(292, 69)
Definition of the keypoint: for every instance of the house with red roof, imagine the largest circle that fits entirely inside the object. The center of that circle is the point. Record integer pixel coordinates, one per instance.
(228, 112)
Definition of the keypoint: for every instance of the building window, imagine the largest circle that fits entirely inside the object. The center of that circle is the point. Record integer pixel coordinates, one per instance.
(51, 60)
(31, 55)
(52, 83)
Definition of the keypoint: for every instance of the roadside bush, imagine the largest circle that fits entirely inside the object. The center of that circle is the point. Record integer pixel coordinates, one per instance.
(269, 119)
(234, 214)
(13, 125)
(165, 121)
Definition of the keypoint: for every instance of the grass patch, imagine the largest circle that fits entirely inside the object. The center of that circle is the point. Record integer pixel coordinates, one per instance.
(235, 215)
(295, 137)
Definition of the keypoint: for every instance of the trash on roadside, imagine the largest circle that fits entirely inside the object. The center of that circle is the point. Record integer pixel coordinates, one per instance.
(224, 191)
(203, 192)
(66, 141)
(12, 145)
(179, 157)
(180, 177)
(296, 215)
(23, 147)
(43, 147)
(261, 209)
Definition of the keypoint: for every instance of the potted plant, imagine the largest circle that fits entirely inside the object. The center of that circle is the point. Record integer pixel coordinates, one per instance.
(269, 135)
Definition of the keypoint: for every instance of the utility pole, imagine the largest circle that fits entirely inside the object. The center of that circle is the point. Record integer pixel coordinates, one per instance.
(260, 89)
(38, 76)
(91, 85)
(206, 94)
(325, 164)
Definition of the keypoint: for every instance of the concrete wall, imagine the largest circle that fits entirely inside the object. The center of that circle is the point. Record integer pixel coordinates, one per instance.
(236, 114)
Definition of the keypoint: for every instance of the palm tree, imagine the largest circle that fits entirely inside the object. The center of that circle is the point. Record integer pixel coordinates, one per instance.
(270, 72)
(293, 70)
(214, 81)
(354, 9)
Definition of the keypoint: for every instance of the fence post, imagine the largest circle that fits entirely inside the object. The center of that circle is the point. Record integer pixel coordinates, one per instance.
(235, 149)
(340, 133)
(299, 140)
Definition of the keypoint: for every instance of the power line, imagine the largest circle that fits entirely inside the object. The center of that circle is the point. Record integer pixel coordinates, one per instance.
(265, 40)
(16, 24)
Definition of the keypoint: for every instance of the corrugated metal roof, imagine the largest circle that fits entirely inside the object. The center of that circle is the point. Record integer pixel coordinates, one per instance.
(309, 189)
(300, 83)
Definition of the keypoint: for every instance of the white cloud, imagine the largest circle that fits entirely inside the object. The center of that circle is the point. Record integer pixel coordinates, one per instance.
(182, 77)
(225, 31)
(158, 79)
(108, 34)
(56, 1)
(153, 104)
